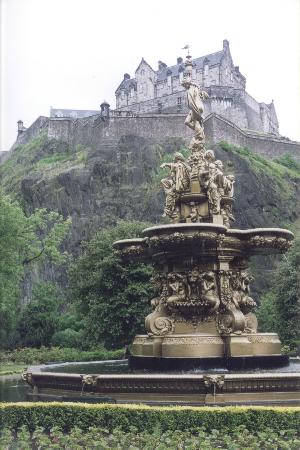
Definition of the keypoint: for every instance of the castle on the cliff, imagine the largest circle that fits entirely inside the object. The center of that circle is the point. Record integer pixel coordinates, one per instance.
(160, 91)
(154, 103)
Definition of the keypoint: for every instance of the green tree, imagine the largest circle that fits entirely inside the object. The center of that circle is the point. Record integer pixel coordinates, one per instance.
(287, 296)
(267, 315)
(113, 296)
(24, 239)
(40, 318)
(280, 308)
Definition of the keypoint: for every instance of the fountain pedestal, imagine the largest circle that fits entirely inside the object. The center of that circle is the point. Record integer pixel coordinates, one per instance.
(206, 346)
(203, 313)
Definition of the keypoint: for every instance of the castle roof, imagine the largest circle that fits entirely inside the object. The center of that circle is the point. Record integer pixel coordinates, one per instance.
(198, 63)
(127, 84)
(143, 62)
(212, 59)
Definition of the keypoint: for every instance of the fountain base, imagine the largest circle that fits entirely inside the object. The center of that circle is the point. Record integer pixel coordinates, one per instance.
(207, 350)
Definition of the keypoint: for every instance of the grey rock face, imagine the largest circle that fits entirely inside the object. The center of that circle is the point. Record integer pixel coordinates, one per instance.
(98, 185)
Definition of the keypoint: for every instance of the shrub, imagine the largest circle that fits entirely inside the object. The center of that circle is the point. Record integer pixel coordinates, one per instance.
(67, 338)
(101, 438)
(45, 355)
(145, 418)
(39, 319)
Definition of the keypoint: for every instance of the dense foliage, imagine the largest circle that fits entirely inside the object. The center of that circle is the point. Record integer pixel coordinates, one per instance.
(280, 308)
(102, 439)
(146, 418)
(39, 319)
(24, 239)
(56, 354)
(113, 296)
(49, 319)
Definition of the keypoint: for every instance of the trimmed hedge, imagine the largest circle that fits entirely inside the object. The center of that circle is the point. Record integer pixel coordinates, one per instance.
(69, 415)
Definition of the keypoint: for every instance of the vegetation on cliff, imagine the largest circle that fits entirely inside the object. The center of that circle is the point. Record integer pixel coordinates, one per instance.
(43, 156)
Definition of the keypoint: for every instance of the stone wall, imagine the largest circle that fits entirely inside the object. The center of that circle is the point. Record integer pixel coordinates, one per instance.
(37, 127)
(235, 105)
(96, 131)
(218, 129)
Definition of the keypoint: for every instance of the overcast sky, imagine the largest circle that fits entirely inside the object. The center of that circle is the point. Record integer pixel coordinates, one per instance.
(73, 53)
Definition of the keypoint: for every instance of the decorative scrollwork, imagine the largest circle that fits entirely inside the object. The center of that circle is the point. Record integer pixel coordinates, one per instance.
(163, 325)
(132, 250)
(278, 243)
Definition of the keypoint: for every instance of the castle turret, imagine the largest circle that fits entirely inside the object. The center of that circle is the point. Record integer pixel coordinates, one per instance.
(105, 109)
(21, 127)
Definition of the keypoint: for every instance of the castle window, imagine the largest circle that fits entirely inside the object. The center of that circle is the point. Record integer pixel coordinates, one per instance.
(206, 69)
(179, 104)
(142, 72)
(159, 106)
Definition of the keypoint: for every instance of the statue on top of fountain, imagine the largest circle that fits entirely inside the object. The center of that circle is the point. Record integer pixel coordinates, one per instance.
(197, 190)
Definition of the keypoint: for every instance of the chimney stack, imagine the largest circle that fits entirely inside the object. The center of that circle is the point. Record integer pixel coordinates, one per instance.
(161, 65)
(225, 44)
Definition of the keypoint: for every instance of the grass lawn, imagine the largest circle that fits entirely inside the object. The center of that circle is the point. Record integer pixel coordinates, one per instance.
(11, 368)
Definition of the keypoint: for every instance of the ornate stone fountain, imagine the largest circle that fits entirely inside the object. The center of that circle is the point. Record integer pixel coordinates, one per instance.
(203, 312)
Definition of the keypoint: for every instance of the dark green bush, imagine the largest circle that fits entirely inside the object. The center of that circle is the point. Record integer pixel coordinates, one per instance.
(146, 418)
(67, 338)
(39, 319)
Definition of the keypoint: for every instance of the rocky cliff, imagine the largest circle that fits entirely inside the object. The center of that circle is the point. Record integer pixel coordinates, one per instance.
(117, 179)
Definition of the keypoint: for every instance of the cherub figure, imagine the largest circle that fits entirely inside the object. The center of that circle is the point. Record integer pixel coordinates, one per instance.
(208, 291)
(177, 287)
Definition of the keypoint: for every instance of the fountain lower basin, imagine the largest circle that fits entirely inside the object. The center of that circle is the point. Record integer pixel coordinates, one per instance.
(115, 382)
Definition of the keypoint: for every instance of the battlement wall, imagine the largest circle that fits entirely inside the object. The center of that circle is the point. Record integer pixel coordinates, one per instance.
(218, 129)
(99, 132)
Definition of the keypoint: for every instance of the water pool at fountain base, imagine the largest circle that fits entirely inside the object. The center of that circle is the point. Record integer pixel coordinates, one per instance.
(115, 382)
